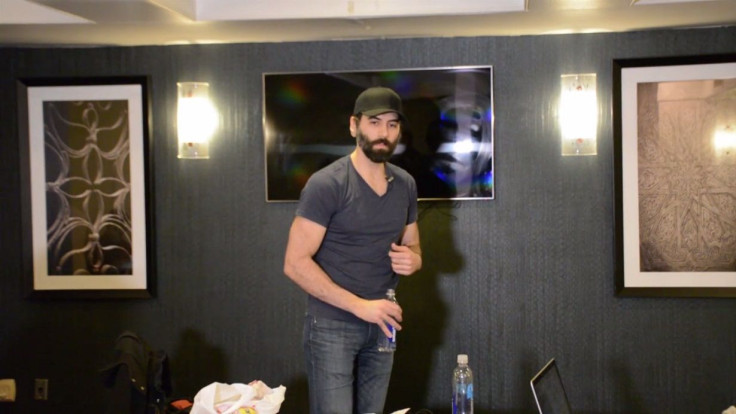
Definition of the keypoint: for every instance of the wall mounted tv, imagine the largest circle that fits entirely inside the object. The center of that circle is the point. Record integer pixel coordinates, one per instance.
(446, 145)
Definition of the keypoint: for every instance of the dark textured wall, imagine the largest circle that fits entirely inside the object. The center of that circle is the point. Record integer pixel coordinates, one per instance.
(512, 282)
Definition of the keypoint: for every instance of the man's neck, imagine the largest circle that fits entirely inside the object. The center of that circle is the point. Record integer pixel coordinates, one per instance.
(367, 168)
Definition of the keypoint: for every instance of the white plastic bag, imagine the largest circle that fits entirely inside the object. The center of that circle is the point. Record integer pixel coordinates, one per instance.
(219, 398)
(267, 401)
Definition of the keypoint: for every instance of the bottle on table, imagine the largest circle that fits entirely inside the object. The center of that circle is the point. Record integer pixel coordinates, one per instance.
(386, 344)
(462, 387)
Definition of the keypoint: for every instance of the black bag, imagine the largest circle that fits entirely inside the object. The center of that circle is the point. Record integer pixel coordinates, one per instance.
(139, 377)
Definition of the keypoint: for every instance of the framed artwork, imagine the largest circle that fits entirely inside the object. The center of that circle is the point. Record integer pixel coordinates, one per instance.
(87, 208)
(675, 176)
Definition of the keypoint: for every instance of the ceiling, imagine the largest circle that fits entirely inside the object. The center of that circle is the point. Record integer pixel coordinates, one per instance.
(166, 22)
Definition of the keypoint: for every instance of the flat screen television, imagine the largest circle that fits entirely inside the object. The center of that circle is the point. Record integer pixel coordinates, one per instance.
(446, 143)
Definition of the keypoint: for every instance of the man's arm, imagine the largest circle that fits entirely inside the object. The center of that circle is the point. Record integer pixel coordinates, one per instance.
(407, 257)
(305, 237)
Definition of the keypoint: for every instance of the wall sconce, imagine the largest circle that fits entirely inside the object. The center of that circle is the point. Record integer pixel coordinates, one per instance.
(724, 140)
(196, 119)
(579, 114)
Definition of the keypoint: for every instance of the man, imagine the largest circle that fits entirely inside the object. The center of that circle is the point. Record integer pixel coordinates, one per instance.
(355, 230)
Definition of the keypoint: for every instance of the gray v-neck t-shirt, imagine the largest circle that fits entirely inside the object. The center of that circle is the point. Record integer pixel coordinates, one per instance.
(361, 225)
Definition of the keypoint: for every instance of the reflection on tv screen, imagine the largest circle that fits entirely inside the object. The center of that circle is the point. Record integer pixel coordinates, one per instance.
(446, 144)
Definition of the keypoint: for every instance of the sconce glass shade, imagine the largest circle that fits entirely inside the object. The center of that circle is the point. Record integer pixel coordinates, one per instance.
(578, 114)
(196, 119)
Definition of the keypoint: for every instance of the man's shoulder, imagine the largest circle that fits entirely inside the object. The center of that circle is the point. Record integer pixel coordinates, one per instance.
(337, 165)
(331, 172)
(323, 192)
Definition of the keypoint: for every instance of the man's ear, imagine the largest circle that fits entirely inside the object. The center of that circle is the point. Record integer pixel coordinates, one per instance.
(353, 125)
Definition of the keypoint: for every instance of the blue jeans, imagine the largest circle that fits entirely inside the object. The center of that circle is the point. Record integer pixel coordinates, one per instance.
(346, 373)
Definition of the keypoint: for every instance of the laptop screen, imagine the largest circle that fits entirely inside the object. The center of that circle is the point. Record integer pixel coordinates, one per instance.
(549, 394)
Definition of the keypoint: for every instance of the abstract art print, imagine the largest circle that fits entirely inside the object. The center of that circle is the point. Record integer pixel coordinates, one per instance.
(87, 206)
(675, 162)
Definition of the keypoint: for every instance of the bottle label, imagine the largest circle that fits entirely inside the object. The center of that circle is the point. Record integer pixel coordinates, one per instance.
(392, 339)
(462, 399)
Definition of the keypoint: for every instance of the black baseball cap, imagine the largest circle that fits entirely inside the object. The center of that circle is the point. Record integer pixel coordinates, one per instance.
(378, 100)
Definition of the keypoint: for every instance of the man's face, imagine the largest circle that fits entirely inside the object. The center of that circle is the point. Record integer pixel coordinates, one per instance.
(377, 135)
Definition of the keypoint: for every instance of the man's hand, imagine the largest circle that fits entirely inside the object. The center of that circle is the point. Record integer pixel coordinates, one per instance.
(404, 261)
(382, 312)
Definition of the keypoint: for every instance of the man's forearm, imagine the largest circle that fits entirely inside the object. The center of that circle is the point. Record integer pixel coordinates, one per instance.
(308, 275)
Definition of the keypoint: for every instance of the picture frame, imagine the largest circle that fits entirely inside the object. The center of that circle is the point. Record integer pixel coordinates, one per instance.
(675, 176)
(86, 188)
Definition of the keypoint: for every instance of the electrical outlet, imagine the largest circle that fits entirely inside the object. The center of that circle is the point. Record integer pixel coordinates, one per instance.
(41, 391)
(7, 390)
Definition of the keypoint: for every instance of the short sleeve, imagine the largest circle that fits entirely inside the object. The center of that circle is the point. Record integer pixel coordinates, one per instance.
(412, 215)
(318, 199)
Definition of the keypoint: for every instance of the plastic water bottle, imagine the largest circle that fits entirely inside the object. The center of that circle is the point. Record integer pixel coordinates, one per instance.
(386, 344)
(462, 387)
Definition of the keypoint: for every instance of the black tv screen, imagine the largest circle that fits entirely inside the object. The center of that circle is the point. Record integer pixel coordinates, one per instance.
(446, 143)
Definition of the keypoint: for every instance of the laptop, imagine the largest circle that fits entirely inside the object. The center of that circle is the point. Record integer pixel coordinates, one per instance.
(549, 394)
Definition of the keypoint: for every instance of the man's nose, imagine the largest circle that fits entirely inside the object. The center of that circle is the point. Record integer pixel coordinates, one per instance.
(383, 131)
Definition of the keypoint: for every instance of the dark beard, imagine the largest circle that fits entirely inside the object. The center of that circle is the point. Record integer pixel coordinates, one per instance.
(377, 156)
